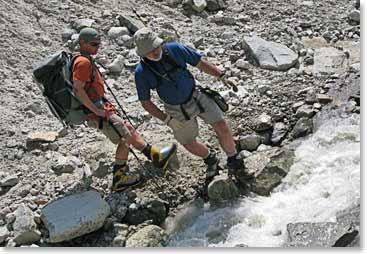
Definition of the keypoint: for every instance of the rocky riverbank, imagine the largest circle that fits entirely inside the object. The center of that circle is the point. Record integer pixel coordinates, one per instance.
(289, 59)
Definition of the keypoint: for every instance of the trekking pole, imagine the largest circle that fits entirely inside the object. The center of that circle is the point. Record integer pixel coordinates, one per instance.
(114, 96)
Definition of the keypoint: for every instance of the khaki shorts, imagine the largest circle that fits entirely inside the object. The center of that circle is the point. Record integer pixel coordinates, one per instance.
(212, 114)
(110, 132)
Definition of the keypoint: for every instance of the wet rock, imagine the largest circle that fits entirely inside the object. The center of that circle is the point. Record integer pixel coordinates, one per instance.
(131, 23)
(281, 162)
(323, 234)
(269, 55)
(149, 209)
(25, 229)
(302, 128)
(116, 32)
(149, 236)
(221, 189)
(250, 142)
(74, 216)
(4, 234)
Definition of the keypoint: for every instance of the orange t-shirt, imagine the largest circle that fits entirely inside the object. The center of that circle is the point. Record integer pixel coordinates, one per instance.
(82, 71)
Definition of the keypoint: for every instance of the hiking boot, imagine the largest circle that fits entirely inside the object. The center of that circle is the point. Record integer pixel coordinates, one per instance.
(123, 179)
(160, 158)
(237, 168)
(212, 166)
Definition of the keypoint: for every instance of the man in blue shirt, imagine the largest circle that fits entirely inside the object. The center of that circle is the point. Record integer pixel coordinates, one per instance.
(163, 67)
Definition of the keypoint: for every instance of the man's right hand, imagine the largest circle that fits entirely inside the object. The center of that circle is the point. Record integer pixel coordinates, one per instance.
(173, 123)
(101, 113)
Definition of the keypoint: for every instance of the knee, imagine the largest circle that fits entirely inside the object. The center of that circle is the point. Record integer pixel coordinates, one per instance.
(191, 144)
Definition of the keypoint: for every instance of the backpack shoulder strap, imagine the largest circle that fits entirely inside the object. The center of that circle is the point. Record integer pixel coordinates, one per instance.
(169, 59)
(93, 74)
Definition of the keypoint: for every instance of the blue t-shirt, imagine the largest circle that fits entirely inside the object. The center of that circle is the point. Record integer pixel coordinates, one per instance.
(180, 83)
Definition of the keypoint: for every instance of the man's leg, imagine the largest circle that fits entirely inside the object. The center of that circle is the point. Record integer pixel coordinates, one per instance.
(234, 163)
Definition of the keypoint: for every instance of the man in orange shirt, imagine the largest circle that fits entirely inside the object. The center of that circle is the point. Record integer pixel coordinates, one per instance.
(89, 88)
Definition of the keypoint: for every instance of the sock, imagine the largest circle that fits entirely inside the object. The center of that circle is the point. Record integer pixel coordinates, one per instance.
(146, 151)
(232, 154)
(205, 157)
(119, 164)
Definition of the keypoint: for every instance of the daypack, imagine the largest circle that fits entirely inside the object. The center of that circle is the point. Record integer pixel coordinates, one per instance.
(55, 74)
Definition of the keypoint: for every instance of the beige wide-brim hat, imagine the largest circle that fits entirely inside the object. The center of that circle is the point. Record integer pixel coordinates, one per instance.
(146, 40)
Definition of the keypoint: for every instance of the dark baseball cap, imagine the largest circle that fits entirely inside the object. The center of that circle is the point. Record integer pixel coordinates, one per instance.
(89, 34)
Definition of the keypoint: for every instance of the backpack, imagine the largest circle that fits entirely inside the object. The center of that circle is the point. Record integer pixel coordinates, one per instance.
(55, 75)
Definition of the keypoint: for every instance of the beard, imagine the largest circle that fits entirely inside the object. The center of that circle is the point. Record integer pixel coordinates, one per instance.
(158, 58)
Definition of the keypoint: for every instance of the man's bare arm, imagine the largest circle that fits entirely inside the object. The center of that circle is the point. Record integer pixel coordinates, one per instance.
(150, 107)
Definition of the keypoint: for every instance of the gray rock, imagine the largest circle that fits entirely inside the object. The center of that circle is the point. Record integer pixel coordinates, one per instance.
(269, 55)
(74, 216)
(4, 234)
(215, 5)
(198, 5)
(221, 189)
(242, 64)
(149, 236)
(324, 99)
(250, 142)
(263, 122)
(322, 234)
(302, 128)
(66, 164)
(9, 181)
(305, 111)
(329, 61)
(102, 170)
(81, 23)
(131, 23)
(66, 34)
(116, 32)
(25, 229)
(355, 15)
(150, 209)
(279, 132)
(36, 140)
(117, 65)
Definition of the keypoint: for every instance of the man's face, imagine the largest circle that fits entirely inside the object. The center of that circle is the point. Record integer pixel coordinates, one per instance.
(155, 54)
(91, 46)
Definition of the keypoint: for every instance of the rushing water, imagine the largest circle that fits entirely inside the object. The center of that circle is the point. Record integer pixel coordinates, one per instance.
(324, 179)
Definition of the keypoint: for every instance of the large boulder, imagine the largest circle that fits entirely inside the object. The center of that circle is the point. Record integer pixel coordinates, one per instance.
(25, 229)
(269, 55)
(221, 189)
(149, 236)
(131, 23)
(269, 167)
(74, 216)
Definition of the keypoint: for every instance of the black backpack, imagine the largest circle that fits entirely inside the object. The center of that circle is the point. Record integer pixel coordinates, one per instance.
(55, 74)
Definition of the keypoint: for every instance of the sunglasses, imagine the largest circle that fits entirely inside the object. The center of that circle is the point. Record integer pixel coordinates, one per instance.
(94, 44)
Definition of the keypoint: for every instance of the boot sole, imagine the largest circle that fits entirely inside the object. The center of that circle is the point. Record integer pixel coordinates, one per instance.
(122, 189)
